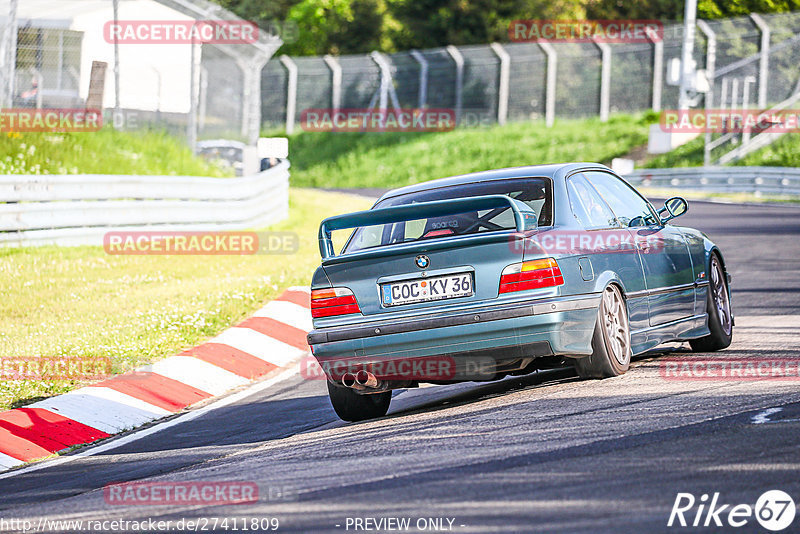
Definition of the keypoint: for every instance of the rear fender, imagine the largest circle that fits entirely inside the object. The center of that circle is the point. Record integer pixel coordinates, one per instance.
(606, 278)
(320, 279)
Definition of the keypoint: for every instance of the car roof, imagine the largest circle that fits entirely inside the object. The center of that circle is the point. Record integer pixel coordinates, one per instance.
(550, 171)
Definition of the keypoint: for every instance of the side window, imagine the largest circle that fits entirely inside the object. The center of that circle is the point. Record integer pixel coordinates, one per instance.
(587, 206)
(629, 207)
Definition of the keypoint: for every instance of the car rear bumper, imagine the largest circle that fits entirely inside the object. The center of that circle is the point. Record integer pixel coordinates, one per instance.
(541, 327)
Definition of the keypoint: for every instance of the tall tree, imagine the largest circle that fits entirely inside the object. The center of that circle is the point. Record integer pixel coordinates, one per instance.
(663, 10)
(259, 11)
(673, 9)
(428, 23)
(729, 8)
(357, 26)
(336, 26)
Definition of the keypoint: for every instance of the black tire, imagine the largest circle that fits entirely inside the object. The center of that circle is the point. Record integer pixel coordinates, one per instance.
(718, 306)
(350, 406)
(611, 341)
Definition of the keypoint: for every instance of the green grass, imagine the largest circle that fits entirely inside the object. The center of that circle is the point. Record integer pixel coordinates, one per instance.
(81, 302)
(385, 160)
(103, 152)
(785, 152)
(688, 155)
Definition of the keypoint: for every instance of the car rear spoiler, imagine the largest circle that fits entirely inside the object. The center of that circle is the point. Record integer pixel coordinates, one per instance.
(524, 216)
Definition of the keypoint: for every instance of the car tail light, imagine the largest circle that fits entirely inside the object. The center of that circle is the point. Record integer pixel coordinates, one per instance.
(333, 301)
(530, 275)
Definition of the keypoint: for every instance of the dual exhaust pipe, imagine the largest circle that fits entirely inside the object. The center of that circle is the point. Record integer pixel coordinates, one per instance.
(362, 380)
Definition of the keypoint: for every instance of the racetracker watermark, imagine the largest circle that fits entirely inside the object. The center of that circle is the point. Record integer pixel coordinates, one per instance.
(54, 120)
(55, 368)
(376, 120)
(162, 243)
(585, 31)
(419, 368)
(181, 493)
(610, 241)
(144, 524)
(180, 32)
(727, 369)
(729, 120)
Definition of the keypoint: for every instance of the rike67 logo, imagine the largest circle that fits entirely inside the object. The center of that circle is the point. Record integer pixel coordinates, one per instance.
(774, 510)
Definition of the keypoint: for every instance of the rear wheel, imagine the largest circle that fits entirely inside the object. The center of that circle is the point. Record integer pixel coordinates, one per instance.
(611, 342)
(351, 406)
(718, 306)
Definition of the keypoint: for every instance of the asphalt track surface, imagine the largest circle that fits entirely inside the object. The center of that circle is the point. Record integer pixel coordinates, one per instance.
(541, 453)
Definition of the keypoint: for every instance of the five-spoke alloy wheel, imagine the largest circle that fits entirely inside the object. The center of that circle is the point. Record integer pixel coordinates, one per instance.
(718, 307)
(611, 342)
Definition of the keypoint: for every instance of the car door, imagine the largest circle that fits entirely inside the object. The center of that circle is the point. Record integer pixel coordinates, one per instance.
(664, 252)
(606, 253)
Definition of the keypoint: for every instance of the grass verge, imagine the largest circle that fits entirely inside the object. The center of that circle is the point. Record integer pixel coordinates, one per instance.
(103, 152)
(387, 160)
(81, 302)
(785, 152)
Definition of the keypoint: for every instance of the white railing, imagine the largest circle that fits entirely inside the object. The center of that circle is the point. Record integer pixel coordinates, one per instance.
(80, 209)
(759, 180)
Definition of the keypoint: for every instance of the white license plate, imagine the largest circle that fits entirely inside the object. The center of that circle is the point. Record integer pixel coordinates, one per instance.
(425, 289)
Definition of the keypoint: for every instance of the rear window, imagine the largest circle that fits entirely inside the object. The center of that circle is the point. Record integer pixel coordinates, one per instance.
(535, 192)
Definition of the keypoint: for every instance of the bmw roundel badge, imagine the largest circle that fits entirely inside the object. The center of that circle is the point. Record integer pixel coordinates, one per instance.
(422, 261)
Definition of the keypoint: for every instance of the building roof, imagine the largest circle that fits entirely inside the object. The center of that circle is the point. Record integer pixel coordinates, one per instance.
(51, 13)
(59, 14)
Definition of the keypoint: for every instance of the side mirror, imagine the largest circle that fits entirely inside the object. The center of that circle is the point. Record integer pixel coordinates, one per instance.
(675, 207)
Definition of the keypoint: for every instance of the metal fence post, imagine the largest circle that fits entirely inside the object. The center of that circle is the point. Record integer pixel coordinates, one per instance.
(711, 60)
(116, 61)
(246, 83)
(383, 90)
(711, 49)
(763, 60)
(423, 78)
(194, 92)
(748, 80)
(503, 82)
(386, 89)
(550, 95)
(658, 68)
(251, 107)
(723, 92)
(687, 50)
(203, 101)
(9, 54)
(291, 92)
(158, 93)
(458, 59)
(336, 81)
(605, 78)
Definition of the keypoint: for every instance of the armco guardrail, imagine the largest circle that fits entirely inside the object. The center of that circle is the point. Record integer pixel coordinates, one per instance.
(80, 209)
(759, 180)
